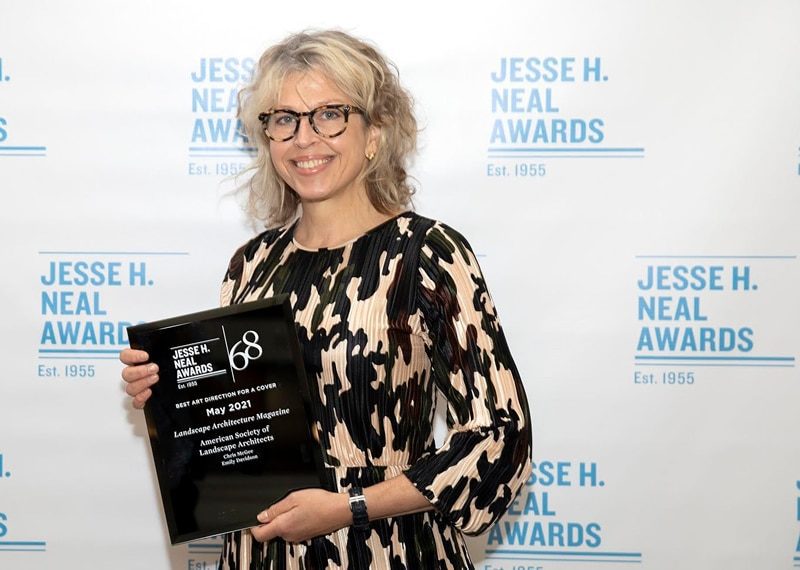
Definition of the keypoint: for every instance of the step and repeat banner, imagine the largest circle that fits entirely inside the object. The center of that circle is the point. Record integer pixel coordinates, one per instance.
(627, 172)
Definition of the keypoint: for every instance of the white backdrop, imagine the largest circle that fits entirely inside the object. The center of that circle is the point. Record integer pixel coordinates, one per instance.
(582, 147)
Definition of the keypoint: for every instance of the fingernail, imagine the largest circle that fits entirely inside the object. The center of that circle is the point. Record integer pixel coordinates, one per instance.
(152, 368)
(263, 517)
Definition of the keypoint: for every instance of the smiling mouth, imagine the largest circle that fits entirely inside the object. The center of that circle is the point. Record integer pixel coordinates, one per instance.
(312, 163)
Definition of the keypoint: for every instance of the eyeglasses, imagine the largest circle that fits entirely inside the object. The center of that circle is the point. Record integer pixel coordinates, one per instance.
(327, 121)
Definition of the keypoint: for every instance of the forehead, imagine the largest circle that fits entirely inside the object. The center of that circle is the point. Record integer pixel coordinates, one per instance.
(309, 89)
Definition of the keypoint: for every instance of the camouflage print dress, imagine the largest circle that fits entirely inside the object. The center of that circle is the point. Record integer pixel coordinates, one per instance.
(384, 321)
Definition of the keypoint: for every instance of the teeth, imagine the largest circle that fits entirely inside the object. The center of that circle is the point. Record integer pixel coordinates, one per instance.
(311, 163)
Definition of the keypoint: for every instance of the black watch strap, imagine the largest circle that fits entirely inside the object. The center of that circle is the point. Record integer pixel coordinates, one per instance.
(358, 506)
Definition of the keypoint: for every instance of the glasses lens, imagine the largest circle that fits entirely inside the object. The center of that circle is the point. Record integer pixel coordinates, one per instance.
(330, 121)
(281, 125)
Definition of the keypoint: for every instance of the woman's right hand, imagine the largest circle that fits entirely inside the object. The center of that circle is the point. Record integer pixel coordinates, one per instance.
(139, 375)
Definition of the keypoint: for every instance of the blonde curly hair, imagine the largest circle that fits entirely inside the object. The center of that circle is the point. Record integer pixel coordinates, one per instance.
(360, 71)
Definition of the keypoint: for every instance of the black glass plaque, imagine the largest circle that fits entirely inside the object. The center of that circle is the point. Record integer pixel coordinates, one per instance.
(229, 417)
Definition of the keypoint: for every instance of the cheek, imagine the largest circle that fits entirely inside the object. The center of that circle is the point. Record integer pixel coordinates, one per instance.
(351, 154)
(275, 157)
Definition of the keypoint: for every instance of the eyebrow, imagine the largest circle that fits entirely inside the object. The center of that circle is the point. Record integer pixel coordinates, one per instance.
(292, 108)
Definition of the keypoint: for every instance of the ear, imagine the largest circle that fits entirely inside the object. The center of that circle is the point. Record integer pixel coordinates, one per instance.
(373, 139)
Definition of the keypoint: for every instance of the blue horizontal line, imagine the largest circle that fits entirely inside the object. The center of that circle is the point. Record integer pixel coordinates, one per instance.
(564, 553)
(210, 156)
(715, 257)
(222, 149)
(22, 549)
(575, 560)
(721, 358)
(722, 365)
(78, 357)
(113, 253)
(22, 154)
(41, 148)
(22, 542)
(565, 149)
(78, 351)
(548, 156)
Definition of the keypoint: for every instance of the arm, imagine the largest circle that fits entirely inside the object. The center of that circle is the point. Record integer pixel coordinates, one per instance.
(313, 512)
(478, 471)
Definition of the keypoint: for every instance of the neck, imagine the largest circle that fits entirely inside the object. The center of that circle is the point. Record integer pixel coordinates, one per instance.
(329, 224)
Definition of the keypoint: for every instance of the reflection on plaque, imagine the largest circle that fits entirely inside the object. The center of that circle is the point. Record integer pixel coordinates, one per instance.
(229, 418)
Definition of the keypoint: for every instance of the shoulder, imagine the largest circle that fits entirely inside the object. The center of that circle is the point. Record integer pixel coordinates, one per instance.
(443, 242)
(439, 251)
(434, 233)
(256, 247)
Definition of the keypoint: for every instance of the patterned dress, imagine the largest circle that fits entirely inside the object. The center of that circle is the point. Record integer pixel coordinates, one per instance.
(384, 322)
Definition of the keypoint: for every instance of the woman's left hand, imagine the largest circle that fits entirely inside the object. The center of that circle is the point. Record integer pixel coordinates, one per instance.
(302, 515)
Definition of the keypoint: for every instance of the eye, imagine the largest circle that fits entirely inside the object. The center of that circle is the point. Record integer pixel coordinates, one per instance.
(283, 120)
(330, 115)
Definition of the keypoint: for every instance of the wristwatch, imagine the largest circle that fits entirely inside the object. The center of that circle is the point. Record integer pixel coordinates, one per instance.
(358, 506)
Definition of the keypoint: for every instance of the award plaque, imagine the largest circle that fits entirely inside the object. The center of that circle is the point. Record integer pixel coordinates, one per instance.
(229, 417)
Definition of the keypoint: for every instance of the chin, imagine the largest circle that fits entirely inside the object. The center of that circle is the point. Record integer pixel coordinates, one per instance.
(313, 196)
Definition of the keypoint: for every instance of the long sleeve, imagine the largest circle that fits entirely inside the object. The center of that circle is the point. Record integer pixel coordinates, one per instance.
(486, 458)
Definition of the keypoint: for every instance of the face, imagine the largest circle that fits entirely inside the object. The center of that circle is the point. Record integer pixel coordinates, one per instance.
(316, 167)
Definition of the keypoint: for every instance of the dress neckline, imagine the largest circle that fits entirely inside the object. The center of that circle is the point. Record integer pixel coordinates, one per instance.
(351, 241)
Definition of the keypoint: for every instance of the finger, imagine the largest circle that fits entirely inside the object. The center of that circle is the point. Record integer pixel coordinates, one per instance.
(134, 373)
(276, 509)
(142, 397)
(133, 356)
(135, 388)
(262, 533)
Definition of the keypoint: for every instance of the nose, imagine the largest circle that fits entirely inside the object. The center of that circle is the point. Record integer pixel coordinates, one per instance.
(305, 135)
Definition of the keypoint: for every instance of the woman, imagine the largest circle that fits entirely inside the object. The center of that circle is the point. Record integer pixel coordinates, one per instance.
(389, 307)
